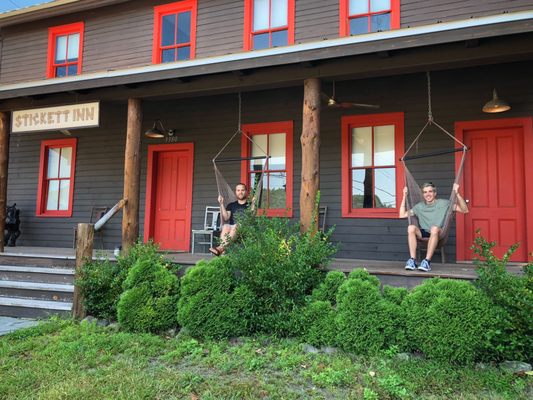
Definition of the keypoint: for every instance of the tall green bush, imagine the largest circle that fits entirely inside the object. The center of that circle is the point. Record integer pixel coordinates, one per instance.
(150, 299)
(449, 320)
(512, 296)
(318, 323)
(211, 304)
(327, 290)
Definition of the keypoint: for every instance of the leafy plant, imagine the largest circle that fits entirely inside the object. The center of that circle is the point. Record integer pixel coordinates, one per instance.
(327, 290)
(512, 295)
(318, 320)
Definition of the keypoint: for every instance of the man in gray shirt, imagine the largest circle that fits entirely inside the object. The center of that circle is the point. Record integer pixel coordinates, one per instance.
(431, 214)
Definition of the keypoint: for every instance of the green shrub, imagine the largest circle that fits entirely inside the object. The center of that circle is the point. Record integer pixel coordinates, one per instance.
(318, 320)
(211, 305)
(449, 320)
(363, 315)
(327, 291)
(149, 301)
(512, 296)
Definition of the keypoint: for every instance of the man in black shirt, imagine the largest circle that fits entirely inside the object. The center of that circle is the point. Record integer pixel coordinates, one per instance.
(229, 217)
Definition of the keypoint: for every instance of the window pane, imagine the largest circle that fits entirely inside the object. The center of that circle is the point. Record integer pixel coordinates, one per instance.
(53, 163)
(280, 38)
(358, 7)
(362, 188)
(64, 191)
(358, 25)
(384, 145)
(362, 147)
(261, 41)
(65, 162)
(168, 55)
(277, 151)
(277, 194)
(380, 22)
(61, 49)
(184, 53)
(61, 71)
(385, 187)
(279, 12)
(379, 5)
(259, 148)
(53, 193)
(73, 47)
(184, 27)
(72, 70)
(260, 15)
(168, 30)
(254, 181)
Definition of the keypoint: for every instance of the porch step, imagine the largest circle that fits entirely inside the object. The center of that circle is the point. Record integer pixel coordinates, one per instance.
(37, 274)
(37, 290)
(31, 308)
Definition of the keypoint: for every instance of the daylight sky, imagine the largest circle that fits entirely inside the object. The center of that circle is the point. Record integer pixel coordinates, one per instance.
(8, 5)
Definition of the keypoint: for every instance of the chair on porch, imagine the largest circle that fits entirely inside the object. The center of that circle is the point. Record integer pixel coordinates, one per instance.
(96, 214)
(423, 246)
(210, 229)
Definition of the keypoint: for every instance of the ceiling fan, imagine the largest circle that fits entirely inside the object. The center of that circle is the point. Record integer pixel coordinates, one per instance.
(332, 102)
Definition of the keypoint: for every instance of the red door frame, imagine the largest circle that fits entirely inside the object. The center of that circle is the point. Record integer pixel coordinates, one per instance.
(151, 190)
(526, 124)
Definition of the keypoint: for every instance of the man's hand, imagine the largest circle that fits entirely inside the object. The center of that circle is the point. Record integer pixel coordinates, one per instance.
(405, 191)
(220, 200)
(456, 187)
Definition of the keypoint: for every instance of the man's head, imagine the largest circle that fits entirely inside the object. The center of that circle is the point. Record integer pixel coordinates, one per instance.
(429, 190)
(241, 191)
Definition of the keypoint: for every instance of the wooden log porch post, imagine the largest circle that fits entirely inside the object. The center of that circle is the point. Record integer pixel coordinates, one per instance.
(4, 162)
(132, 175)
(84, 252)
(310, 141)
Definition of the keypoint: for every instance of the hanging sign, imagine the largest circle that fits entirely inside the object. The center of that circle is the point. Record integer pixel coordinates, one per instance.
(86, 115)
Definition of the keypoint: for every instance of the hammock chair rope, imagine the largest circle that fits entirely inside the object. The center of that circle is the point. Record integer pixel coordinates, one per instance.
(415, 195)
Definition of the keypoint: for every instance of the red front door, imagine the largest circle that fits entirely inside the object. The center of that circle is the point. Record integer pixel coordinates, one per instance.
(169, 195)
(494, 182)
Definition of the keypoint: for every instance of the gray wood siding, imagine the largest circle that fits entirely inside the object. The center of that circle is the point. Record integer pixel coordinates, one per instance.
(120, 36)
(209, 122)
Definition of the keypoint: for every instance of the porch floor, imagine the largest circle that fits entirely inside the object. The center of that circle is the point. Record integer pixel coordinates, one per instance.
(375, 267)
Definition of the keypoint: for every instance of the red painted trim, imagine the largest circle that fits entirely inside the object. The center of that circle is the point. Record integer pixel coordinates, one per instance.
(286, 127)
(526, 124)
(344, 16)
(248, 23)
(40, 210)
(151, 190)
(348, 122)
(173, 8)
(53, 33)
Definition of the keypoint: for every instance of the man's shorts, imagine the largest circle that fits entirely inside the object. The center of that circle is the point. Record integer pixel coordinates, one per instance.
(425, 234)
(231, 226)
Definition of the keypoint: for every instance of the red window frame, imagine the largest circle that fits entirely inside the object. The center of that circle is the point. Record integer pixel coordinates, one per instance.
(268, 128)
(248, 24)
(344, 15)
(349, 122)
(63, 30)
(42, 191)
(173, 8)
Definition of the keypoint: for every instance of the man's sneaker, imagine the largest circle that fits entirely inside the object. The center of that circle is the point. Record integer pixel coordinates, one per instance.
(410, 264)
(425, 265)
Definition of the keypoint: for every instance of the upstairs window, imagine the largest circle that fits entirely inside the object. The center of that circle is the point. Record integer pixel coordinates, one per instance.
(56, 178)
(372, 175)
(268, 23)
(174, 32)
(65, 48)
(274, 139)
(365, 16)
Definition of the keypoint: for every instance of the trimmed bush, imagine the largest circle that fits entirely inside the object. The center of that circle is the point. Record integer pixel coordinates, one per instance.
(211, 305)
(149, 301)
(449, 320)
(318, 320)
(327, 291)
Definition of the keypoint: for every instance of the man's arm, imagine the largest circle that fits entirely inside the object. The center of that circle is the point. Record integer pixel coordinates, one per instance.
(403, 212)
(461, 205)
(225, 213)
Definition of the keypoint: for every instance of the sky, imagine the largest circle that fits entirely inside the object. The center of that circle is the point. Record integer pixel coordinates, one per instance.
(9, 5)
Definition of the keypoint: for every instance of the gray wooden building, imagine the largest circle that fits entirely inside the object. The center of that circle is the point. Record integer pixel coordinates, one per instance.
(181, 66)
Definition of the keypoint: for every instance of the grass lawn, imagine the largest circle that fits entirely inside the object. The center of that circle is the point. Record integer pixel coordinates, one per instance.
(65, 360)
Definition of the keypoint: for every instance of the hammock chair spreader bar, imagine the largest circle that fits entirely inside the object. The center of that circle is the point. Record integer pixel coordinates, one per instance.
(433, 153)
(221, 160)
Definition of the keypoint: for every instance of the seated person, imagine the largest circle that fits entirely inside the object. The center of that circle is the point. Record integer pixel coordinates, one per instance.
(431, 214)
(228, 215)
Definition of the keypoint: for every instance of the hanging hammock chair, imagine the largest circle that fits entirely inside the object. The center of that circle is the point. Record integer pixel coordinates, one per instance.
(224, 189)
(414, 192)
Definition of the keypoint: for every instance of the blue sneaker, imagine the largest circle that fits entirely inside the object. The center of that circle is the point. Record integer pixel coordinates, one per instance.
(425, 265)
(410, 264)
